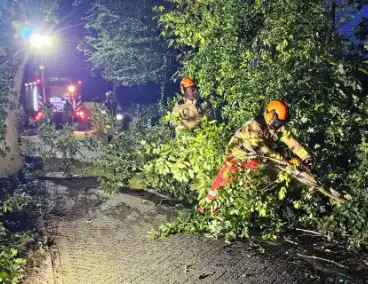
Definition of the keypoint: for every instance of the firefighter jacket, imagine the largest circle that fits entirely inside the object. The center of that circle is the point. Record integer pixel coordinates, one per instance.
(187, 113)
(254, 139)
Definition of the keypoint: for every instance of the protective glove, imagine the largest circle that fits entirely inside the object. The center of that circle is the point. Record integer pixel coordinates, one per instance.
(204, 205)
(308, 163)
(295, 161)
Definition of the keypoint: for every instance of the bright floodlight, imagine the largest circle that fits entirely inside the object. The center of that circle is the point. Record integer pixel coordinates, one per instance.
(41, 41)
(71, 89)
(119, 116)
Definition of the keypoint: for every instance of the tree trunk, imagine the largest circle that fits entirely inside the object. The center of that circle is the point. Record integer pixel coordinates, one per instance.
(12, 162)
(164, 82)
(333, 24)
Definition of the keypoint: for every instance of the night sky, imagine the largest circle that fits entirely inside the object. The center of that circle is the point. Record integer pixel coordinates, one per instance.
(66, 61)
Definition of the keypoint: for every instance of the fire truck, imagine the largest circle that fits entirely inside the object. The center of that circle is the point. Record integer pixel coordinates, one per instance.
(53, 93)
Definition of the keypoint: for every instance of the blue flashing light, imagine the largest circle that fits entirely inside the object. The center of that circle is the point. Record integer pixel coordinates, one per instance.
(25, 32)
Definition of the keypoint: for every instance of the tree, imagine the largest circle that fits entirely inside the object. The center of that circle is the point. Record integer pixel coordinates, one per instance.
(362, 29)
(124, 43)
(13, 59)
(243, 54)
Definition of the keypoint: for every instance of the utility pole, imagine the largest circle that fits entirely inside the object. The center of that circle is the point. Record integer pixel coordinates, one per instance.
(114, 88)
(42, 67)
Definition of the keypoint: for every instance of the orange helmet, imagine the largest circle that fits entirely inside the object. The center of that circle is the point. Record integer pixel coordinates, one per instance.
(185, 83)
(275, 107)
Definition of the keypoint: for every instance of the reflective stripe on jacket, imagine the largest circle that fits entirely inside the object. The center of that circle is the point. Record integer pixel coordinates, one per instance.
(254, 139)
(188, 114)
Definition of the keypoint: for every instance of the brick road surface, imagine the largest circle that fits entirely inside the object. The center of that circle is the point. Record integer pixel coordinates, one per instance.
(103, 239)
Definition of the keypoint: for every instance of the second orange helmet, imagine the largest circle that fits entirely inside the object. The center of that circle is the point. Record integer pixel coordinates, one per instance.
(185, 83)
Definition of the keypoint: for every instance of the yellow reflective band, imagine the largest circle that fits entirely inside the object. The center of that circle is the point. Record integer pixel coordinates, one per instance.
(302, 153)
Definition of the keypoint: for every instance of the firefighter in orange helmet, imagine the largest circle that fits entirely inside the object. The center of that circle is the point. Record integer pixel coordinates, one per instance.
(253, 142)
(188, 112)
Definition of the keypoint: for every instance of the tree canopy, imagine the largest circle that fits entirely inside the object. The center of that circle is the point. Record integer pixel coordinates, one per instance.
(242, 54)
(125, 44)
(245, 53)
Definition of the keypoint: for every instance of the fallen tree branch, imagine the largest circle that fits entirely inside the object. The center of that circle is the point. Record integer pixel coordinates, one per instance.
(323, 259)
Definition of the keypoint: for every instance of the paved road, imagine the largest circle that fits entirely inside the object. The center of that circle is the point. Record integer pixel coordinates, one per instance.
(103, 239)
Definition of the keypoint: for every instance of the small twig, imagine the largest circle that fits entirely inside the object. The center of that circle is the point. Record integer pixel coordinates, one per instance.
(310, 232)
(270, 186)
(323, 259)
(290, 241)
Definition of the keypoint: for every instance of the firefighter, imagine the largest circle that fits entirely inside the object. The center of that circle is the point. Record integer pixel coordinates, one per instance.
(188, 112)
(50, 113)
(67, 112)
(253, 142)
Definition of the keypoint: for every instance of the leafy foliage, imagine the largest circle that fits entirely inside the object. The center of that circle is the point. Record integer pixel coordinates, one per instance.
(125, 155)
(62, 144)
(245, 53)
(124, 43)
(350, 220)
(19, 197)
(184, 167)
(101, 121)
(252, 202)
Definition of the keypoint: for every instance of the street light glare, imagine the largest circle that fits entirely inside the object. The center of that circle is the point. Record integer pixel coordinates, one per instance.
(40, 41)
(71, 89)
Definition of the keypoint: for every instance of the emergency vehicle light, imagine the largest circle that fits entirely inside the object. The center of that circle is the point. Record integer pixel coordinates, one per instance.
(39, 116)
(71, 89)
(81, 114)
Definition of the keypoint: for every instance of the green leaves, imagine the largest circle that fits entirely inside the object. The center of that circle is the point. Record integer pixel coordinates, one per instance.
(126, 156)
(124, 43)
(188, 163)
(63, 144)
(18, 197)
(9, 264)
(282, 193)
(243, 54)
